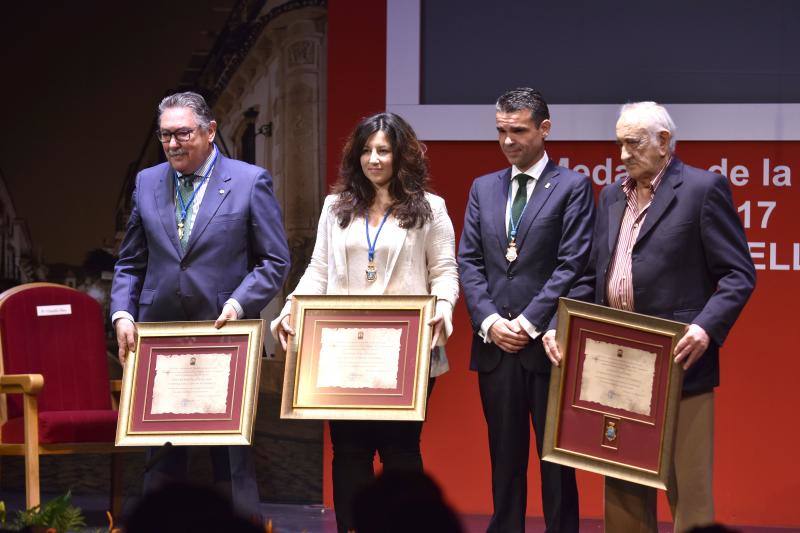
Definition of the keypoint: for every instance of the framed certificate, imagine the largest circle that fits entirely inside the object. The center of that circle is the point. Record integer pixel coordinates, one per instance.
(613, 402)
(191, 384)
(358, 358)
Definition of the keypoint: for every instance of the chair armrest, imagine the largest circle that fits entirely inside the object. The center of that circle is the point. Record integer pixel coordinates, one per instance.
(116, 390)
(22, 383)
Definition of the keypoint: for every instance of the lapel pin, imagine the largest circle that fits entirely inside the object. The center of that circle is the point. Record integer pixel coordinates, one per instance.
(222, 191)
(547, 185)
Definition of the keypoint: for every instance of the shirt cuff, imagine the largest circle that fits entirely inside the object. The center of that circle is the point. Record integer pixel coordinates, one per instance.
(445, 308)
(236, 307)
(121, 314)
(486, 324)
(529, 328)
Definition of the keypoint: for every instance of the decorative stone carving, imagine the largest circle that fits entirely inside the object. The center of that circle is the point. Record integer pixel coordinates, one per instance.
(276, 67)
(301, 156)
(302, 53)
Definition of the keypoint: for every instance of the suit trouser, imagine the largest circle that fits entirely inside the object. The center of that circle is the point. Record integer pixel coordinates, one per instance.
(511, 397)
(354, 445)
(232, 466)
(631, 508)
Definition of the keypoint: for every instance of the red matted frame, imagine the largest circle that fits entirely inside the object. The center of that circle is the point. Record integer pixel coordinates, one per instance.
(138, 425)
(305, 398)
(630, 445)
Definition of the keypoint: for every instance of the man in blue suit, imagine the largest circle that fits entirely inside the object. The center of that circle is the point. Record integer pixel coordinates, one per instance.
(204, 241)
(668, 242)
(526, 239)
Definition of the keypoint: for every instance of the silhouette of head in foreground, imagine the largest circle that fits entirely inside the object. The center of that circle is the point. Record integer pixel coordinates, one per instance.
(185, 507)
(403, 501)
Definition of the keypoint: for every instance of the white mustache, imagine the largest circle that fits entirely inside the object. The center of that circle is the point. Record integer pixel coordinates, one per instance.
(173, 153)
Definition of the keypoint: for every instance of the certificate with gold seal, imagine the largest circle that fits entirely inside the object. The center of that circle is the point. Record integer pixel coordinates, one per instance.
(189, 383)
(358, 358)
(613, 402)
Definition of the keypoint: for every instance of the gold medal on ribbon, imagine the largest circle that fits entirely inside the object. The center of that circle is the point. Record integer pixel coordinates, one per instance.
(511, 251)
(372, 272)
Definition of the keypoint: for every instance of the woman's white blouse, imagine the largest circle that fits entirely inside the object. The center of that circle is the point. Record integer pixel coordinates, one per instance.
(411, 261)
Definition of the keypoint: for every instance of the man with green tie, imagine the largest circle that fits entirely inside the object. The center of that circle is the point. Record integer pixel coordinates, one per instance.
(526, 239)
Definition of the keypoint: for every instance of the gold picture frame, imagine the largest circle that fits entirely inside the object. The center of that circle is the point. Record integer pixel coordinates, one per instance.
(328, 381)
(623, 427)
(156, 407)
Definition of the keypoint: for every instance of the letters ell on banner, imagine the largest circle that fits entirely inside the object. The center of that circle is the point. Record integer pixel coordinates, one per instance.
(613, 402)
(358, 358)
(191, 384)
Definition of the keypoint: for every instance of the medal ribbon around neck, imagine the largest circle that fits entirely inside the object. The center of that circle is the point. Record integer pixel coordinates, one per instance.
(371, 273)
(184, 205)
(514, 225)
(511, 251)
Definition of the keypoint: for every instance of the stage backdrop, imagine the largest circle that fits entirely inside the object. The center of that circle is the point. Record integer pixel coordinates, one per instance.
(757, 478)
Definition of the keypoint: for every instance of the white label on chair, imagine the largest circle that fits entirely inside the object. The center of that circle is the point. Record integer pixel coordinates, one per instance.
(51, 310)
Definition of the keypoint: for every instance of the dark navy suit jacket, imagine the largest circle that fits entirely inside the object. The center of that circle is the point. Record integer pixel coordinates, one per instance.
(237, 247)
(690, 262)
(553, 243)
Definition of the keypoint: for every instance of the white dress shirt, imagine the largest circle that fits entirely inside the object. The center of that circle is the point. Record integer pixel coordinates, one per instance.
(534, 172)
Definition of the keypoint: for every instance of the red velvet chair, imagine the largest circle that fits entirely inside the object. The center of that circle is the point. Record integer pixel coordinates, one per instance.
(53, 353)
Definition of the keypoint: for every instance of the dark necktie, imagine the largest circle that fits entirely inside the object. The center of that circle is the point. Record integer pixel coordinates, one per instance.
(185, 189)
(520, 199)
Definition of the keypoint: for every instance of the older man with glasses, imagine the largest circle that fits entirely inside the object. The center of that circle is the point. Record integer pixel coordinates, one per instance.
(205, 241)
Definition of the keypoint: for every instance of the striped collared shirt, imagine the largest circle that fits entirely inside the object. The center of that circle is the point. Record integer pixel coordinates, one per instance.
(619, 285)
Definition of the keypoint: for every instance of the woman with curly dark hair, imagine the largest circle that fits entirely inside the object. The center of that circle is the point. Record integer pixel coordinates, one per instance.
(380, 232)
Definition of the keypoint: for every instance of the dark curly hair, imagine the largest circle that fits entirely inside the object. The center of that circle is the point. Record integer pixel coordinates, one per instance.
(407, 186)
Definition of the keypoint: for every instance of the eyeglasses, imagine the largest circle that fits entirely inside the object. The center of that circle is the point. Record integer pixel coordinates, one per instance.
(182, 135)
